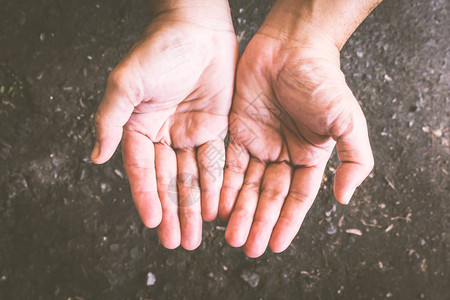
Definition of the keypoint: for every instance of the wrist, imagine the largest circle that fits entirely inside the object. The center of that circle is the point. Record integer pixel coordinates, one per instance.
(213, 14)
(309, 20)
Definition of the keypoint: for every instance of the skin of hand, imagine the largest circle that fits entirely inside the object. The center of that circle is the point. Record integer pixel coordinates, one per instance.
(291, 106)
(168, 102)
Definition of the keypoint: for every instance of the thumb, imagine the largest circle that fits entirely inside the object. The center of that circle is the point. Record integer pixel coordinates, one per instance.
(113, 113)
(354, 152)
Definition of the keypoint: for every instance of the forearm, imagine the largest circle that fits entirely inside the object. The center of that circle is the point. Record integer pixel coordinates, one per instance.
(336, 19)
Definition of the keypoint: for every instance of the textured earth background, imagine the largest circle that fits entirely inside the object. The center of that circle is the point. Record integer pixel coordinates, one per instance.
(69, 229)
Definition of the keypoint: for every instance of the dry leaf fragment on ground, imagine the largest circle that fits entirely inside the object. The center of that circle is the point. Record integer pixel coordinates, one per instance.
(391, 184)
(374, 224)
(354, 231)
(389, 228)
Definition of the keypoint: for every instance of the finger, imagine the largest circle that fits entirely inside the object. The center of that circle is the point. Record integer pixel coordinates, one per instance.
(114, 111)
(355, 154)
(305, 185)
(139, 162)
(242, 216)
(189, 199)
(235, 166)
(166, 174)
(274, 189)
(211, 160)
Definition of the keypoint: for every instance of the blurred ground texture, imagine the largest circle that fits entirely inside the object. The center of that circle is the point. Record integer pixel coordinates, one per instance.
(69, 230)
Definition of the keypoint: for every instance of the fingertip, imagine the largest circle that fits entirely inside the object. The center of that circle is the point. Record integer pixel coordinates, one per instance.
(347, 196)
(95, 152)
(190, 245)
(276, 250)
(209, 216)
(151, 222)
(238, 228)
(151, 218)
(255, 246)
(170, 243)
(209, 205)
(97, 157)
(225, 206)
(348, 177)
(232, 240)
(169, 230)
(172, 246)
(277, 245)
(102, 152)
(344, 194)
(108, 137)
(278, 242)
(251, 252)
(99, 160)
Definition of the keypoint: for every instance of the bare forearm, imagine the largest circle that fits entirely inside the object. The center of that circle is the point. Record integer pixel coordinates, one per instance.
(337, 19)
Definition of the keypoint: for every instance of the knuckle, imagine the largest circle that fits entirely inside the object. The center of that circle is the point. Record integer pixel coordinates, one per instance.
(262, 221)
(141, 164)
(299, 197)
(273, 194)
(287, 218)
(170, 211)
(187, 180)
(117, 77)
(210, 189)
(99, 118)
(228, 187)
(243, 214)
(235, 167)
(251, 185)
(164, 180)
(366, 163)
(123, 82)
(188, 213)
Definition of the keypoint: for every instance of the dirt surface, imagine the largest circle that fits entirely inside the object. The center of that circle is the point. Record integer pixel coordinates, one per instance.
(69, 230)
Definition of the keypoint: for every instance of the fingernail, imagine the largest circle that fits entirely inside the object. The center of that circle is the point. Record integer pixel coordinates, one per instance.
(96, 151)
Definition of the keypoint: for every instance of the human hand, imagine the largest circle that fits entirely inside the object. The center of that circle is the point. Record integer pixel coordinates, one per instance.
(291, 105)
(168, 100)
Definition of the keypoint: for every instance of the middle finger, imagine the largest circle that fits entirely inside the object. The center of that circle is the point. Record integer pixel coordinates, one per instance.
(274, 189)
(189, 199)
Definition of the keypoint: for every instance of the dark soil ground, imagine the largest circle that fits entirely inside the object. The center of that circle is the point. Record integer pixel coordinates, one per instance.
(69, 229)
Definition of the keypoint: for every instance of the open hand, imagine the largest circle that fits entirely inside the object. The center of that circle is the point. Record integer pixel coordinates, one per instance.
(290, 107)
(168, 101)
